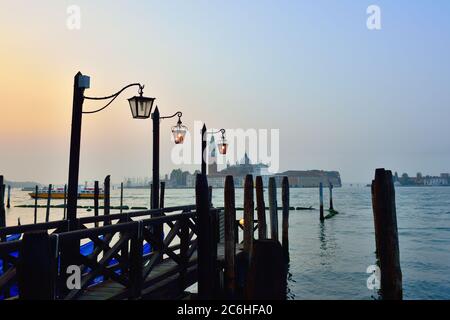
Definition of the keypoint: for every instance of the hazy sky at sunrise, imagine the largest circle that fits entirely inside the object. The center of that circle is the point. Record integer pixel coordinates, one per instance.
(344, 98)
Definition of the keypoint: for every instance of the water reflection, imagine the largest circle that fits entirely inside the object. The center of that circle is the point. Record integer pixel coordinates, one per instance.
(328, 244)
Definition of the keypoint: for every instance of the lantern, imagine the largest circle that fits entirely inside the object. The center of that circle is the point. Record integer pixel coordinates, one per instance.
(223, 145)
(179, 132)
(141, 107)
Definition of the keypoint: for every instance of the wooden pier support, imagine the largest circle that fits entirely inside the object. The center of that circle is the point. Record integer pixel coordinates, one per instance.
(49, 199)
(2, 204)
(261, 209)
(162, 191)
(36, 204)
(273, 209)
(121, 197)
(96, 195)
(65, 202)
(331, 197)
(322, 217)
(210, 194)
(8, 202)
(206, 263)
(266, 279)
(249, 213)
(386, 235)
(230, 238)
(36, 269)
(107, 199)
(285, 225)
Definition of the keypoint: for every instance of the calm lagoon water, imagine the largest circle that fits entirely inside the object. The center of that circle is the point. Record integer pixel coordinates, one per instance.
(329, 261)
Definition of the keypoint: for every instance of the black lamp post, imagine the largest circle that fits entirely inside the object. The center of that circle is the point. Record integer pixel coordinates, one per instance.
(223, 145)
(179, 132)
(141, 108)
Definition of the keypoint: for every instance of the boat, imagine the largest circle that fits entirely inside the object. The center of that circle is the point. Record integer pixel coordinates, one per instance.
(58, 193)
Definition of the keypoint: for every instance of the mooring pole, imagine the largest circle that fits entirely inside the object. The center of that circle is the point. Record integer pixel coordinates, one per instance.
(8, 203)
(331, 196)
(121, 197)
(386, 234)
(230, 233)
(285, 228)
(96, 195)
(75, 141)
(2, 205)
(322, 217)
(155, 179)
(273, 208)
(65, 203)
(261, 209)
(203, 133)
(36, 203)
(49, 198)
(248, 216)
(163, 189)
(107, 199)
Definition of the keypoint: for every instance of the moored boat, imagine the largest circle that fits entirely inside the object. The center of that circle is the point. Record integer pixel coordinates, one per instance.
(58, 193)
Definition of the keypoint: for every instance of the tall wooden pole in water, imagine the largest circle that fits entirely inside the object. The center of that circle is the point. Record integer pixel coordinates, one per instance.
(121, 196)
(8, 203)
(204, 156)
(155, 171)
(49, 197)
(322, 217)
(261, 209)
(36, 203)
(107, 200)
(285, 229)
(331, 197)
(273, 208)
(163, 190)
(386, 234)
(96, 195)
(230, 235)
(249, 213)
(2, 204)
(65, 202)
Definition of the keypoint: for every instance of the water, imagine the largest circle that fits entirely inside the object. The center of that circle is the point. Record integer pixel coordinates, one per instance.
(329, 261)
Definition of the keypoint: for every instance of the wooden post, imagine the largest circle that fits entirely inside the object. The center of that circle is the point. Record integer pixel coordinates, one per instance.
(386, 234)
(184, 248)
(210, 191)
(230, 241)
(161, 199)
(273, 208)
(261, 209)
(96, 195)
(2, 205)
(121, 197)
(322, 217)
(266, 279)
(285, 229)
(8, 203)
(136, 263)
(36, 271)
(248, 215)
(36, 193)
(65, 202)
(331, 197)
(107, 202)
(151, 195)
(49, 198)
(205, 263)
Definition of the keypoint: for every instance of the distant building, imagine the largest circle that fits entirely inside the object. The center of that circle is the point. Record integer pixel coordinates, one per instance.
(420, 180)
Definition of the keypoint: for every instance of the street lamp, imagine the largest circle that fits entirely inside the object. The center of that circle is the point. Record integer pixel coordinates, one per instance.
(140, 108)
(179, 131)
(223, 145)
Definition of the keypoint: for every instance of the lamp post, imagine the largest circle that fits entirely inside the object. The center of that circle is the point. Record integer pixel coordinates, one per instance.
(179, 132)
(140, 107)
(223, 145)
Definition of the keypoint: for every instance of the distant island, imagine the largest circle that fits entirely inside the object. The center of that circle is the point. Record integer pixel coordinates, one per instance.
(419, 180)
(216, 179)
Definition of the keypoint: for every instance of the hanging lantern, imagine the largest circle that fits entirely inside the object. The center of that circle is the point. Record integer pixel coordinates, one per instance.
(223, 145)
(141, 107)
(179, 132)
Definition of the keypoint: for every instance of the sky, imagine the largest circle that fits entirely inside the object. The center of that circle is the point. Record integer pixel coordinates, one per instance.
(343, 97)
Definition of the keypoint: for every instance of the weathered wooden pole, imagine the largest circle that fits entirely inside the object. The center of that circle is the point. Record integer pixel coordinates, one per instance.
(49, 198)
(107, 200)
(121, 197)
(266, 279)
(96, 195)
(36, 269)
(8, 203)
(331, 197)
(155, 170)
(205, 256)
(273, 208)
(322, 217)
(65, 203)
(2, 204)
(230, 241)
(261, 209)
(386, 234)
(151, 195)
(36, 192)
(163, 189)
(249, 212)
(210, 192)
(204, 155)
(285, 228)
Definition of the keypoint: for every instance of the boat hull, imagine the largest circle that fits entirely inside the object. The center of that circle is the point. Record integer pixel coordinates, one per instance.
(44, 195)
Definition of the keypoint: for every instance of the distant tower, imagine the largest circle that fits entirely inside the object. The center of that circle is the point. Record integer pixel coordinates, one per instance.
(212, 163)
